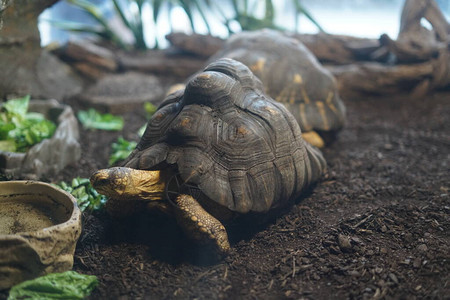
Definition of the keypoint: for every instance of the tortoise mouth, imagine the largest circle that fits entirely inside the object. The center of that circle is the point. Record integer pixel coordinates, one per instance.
(101, 181)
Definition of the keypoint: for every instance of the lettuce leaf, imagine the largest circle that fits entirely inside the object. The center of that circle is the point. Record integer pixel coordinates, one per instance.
(66, 285)
(92, 119)
(87, 197)
(121, 150)
(19, 129)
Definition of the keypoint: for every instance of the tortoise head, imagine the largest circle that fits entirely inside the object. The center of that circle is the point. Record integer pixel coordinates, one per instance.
(127, 183)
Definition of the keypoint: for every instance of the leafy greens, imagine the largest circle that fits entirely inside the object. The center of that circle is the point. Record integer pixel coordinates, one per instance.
(92, 119)
(66, 285)
(87, 197)
(20, 129)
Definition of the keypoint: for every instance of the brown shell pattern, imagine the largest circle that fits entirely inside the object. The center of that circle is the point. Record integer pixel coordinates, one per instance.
(223, 134)
(291, 75)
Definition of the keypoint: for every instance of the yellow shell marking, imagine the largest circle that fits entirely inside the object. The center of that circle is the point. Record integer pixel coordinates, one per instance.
(321, 108)
(298, 78)
(259, 65)
(329, 103)
(293, 95)
(282, 97)
(306, 126)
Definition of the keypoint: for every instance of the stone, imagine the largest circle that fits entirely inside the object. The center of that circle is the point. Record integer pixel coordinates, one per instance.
(118, 93)
(344, 243)
(26, 68)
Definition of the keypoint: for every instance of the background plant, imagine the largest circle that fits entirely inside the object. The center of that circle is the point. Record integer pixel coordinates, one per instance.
(92, 119)
(122, 148)
(20, 129)
(131, 13)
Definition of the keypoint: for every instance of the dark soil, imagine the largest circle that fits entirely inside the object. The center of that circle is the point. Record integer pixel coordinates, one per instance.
(375, 227)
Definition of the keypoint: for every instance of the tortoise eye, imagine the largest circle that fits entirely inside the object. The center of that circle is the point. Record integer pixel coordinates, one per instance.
(102, 182)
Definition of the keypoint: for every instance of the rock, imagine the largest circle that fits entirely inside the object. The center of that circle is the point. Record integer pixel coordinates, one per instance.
(344, 243)
(118, 93)
(393, 277)
(422, 248)
(417, 263)
(25, 67)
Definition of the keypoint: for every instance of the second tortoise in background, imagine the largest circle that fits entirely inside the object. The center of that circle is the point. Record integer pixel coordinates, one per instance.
(292, 75)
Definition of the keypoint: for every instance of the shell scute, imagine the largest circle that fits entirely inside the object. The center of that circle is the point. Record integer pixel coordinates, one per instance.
(242, 149)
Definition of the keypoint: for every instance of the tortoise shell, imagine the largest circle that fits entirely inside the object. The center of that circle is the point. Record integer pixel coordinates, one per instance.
(241, 148)
(291, 75)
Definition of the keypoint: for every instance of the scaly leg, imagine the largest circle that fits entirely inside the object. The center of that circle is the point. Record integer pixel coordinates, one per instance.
(199, 225)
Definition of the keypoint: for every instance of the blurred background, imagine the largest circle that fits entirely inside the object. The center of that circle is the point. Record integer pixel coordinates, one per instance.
(360, 18)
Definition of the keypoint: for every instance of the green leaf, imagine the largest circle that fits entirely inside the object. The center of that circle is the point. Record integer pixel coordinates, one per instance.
(142, 130)
(17, 106)
(24, 129)
(8, 146)
(87, 197)
(67, 285)
(121, 150)
(5, 128)
(150, 109)
(92, 119)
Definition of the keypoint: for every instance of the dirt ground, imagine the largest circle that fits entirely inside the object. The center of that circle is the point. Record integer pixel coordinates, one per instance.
(375, 227)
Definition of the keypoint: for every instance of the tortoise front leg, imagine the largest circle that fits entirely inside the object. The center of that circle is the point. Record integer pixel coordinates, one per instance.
(199, 225)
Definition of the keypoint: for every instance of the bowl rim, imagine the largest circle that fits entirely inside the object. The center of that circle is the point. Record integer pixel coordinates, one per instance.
(74, 217)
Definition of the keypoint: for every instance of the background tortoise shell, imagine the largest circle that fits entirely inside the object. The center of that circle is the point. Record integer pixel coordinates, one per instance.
(291, 75)
(224, 135)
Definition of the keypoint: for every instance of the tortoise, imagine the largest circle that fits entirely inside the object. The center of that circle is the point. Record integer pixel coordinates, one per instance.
(216, 150)
(292, 75)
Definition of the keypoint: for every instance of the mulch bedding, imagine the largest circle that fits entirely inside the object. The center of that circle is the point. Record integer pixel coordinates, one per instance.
(375, 227)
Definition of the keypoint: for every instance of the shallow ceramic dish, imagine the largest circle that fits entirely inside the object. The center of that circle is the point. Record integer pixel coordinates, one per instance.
(39, 228)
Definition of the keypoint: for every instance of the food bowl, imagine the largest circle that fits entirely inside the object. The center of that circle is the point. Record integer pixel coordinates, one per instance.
(39, 228)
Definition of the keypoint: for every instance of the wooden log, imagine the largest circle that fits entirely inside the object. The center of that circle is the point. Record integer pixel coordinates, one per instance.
(378, 79)
(416, 43)
(90, 53)
(161, 62)
(338, 49)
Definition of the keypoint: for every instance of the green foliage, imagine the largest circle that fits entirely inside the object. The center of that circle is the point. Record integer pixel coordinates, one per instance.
(150, 109)
(92, 119)
(20, 129)
(103, 30)
(121, 150)
(87, 197)
(243, 13)
(67, 285)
